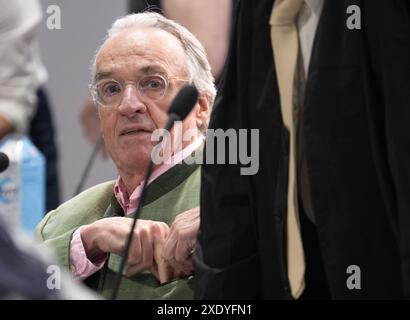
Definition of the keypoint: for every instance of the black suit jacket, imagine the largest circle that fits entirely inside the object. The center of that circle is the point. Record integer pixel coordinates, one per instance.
(356, 112)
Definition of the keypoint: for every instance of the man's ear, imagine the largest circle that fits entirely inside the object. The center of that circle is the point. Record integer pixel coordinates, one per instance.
(202, 110)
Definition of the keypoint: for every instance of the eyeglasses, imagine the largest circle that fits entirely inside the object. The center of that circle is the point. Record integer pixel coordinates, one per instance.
(110, 92)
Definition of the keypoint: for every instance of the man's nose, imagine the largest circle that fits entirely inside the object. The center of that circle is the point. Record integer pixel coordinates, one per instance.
(131, 102)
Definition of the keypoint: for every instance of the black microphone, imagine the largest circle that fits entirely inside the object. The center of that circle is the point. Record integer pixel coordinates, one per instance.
(180, 107)
(4, 161)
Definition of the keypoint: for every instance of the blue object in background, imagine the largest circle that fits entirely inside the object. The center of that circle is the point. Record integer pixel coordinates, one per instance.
(22, 185)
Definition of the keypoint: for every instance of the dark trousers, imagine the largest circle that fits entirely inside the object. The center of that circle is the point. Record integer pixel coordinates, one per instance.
(42, 135)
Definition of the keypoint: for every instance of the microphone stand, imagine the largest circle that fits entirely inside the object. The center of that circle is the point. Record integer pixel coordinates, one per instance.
(172, 118)
(90, 162)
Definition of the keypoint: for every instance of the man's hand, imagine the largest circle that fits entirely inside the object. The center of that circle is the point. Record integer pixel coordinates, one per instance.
(181, 242)
(110, 236)
(165, 252)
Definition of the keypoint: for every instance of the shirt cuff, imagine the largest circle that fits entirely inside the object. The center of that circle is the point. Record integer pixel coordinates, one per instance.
(81, 267)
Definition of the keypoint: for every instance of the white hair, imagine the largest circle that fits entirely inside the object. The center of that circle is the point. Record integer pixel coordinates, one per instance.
(197, 65)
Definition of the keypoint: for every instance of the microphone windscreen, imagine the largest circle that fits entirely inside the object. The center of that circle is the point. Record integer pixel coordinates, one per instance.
(4, 161)
(184, 101)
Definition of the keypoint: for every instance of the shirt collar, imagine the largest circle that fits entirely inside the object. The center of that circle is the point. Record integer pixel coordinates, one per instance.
(130, 202)
(315, 6)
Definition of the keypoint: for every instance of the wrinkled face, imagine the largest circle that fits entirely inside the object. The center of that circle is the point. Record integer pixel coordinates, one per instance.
(128, 57)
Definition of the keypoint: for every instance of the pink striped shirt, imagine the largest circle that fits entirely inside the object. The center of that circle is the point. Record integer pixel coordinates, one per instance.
(81, 267)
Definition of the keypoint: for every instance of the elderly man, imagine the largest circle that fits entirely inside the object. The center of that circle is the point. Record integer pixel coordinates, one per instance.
(138, 70)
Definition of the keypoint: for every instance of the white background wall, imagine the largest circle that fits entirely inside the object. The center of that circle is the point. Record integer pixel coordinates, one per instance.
(67, 54)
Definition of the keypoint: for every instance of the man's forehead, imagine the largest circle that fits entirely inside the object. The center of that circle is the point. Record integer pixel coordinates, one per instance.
(150, 50)
(142, 41)
(147, 69)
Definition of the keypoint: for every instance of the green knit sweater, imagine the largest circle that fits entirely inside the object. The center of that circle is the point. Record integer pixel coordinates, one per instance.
(175, 191)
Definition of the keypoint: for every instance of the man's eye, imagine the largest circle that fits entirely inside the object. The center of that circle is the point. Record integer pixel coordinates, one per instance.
(111, 89)
(153, 83)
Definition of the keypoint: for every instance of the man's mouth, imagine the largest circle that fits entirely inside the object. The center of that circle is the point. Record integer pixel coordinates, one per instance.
(134, 131)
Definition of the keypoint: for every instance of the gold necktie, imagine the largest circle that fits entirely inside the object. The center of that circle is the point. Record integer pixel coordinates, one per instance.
(284, 38)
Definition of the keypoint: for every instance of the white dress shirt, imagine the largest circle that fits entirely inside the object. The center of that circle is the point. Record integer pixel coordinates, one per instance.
(21, 72)
(307, 22)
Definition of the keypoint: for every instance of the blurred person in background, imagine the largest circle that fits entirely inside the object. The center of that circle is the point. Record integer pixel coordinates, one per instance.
(26, 272)
(24, 107)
